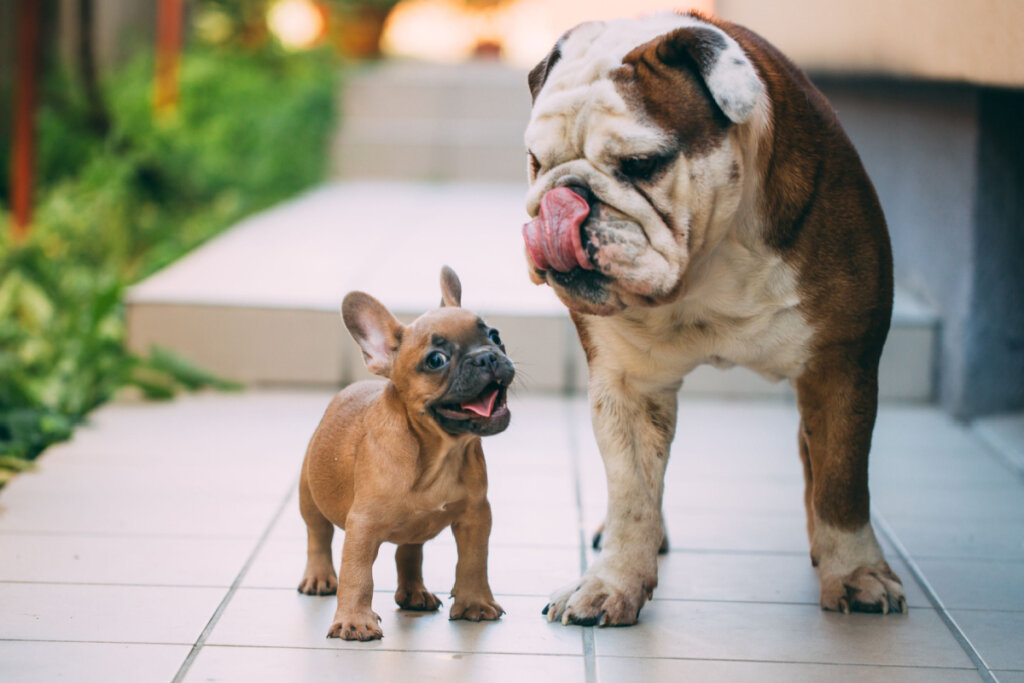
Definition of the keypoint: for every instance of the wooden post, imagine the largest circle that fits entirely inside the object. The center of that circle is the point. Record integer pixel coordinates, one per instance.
(168, 56)
(23, 144)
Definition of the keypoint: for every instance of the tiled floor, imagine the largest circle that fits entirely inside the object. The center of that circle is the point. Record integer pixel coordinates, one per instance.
(165, 541)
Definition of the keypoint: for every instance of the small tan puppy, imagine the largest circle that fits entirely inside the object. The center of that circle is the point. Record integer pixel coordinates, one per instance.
(400, 460)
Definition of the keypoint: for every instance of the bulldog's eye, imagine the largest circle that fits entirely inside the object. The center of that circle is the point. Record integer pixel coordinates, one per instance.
(435, 360)
(494, 337)
(643, 167)
(534, 164)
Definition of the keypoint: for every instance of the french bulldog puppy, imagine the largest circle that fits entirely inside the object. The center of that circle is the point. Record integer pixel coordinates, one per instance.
(696, 201)
(400, 460)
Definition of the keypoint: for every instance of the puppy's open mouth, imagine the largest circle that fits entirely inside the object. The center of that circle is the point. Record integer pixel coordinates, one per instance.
(487, 405)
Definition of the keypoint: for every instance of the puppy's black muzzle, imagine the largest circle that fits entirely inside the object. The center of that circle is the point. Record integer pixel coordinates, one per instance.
(479, 369)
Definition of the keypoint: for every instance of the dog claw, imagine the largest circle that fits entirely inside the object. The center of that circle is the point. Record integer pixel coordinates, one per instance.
(603, 621)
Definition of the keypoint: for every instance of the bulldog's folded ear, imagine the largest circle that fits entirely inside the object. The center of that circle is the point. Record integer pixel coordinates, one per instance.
(373, 327)
(539, 74)
(721, 62)
(451, 288)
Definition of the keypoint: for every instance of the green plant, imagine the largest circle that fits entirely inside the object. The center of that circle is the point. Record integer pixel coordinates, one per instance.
(251, 129)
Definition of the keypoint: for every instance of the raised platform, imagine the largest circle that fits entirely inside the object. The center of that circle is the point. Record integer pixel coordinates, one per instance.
(260, 303)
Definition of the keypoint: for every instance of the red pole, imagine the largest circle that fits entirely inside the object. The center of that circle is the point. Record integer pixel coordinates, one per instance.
(168, 52)
(23, 147)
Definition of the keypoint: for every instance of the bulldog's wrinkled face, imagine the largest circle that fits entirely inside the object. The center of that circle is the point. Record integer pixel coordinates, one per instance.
(633, 153)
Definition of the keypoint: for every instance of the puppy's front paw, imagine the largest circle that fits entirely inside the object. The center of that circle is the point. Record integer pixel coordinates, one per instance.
(363, 625)
(417, 599)
(874, 588)
(481, 608)
(603, 597)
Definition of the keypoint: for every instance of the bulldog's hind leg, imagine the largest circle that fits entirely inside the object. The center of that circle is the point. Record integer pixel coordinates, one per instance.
(411, 593)
(634, 430)
(319, 577)
(838, 402)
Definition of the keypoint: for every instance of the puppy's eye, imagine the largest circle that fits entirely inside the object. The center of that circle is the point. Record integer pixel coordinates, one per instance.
(435, 360)
(534, 164)
(494, 337)
(643, 167)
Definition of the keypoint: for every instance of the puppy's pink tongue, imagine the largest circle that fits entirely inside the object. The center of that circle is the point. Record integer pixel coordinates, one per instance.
(553, 238)
(484, 405)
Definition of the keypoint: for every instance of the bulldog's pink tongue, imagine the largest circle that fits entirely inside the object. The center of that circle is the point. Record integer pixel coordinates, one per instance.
(553, 237)
(484, 405)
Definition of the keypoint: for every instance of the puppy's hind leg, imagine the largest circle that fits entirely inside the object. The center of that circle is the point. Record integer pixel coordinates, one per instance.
(411, 593)
(319, 577)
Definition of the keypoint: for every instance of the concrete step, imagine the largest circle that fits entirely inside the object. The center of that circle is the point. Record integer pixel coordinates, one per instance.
(260, 303)
(419, 121)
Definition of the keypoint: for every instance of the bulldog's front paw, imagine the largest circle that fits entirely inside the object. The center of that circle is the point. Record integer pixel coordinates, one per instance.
(603, 597)
(480, 608)
(417, 599)
(362, 625)
(866, 589)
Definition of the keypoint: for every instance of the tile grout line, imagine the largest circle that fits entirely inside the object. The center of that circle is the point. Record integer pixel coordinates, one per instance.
(217, 613)
(933, 597)
(589, 657)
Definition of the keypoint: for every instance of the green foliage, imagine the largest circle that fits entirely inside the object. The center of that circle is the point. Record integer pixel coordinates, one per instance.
(251, 129)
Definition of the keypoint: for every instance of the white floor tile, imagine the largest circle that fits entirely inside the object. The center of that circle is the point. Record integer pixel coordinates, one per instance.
(783, 633)
(113, 614)
(742, 577)
(125, 560)
(45, 662)
(285, 618)
(138, 513)
(612, 669)
(977, 584)
(272, 665)
(996, 636)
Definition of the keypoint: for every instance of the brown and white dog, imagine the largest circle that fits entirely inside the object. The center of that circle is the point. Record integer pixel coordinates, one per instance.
(696, 201)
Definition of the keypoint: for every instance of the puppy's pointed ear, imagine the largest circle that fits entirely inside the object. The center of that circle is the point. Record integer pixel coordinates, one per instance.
(373, 327)
(451, 288)
(728, 72)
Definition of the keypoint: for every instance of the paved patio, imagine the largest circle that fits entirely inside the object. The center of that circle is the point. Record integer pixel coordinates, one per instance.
(164, 543)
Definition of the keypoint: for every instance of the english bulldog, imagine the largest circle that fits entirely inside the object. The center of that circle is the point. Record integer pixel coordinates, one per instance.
(695, 200)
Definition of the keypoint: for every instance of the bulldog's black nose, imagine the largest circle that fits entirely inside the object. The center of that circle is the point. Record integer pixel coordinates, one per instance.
(576, 184)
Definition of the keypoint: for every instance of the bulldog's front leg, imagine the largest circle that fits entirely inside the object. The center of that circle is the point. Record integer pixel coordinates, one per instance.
(634, 428)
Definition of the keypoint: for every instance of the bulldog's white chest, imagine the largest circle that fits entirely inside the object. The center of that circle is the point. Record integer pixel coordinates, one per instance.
(740, 307)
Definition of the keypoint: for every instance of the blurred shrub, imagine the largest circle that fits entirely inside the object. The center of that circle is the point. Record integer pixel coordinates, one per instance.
(251, 129)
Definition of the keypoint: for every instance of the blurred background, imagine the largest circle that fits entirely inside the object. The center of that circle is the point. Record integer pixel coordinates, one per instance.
(132, 132)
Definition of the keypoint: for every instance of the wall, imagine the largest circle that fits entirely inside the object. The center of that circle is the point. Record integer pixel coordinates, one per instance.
(946, 161)
(949, 40)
